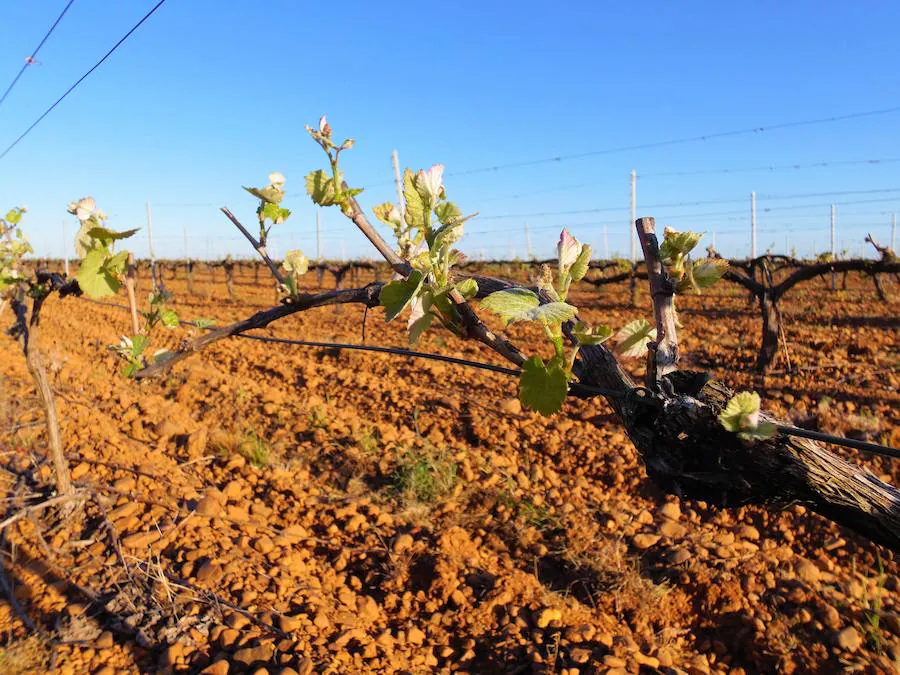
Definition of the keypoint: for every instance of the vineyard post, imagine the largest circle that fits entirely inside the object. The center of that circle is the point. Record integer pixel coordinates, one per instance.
(752, 225)
(130, 275)
(633, 216)
(150, 245)
(832, 244)
(893, 231)
(65, 248)
(401, 204)
(320, 270)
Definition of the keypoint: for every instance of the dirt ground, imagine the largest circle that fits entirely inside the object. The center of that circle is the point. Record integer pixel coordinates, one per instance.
(274, 509)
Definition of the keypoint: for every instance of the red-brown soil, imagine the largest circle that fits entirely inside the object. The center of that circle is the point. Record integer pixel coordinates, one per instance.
(266, 508)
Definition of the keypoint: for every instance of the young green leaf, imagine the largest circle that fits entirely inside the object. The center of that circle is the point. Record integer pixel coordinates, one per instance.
(707, 272)
(591, 336)
(447, 212)
(580, 266)
(542, 388)
(275, 213)
(552, 313)
(631, 341)
(741, 416)
(396, 295)
(677, 244)
(105, 236)
(269, 194)
(415, 207)
(204, 323)
(388, 214)
(468, 288)
(320, 187)
(169, 318)
(512, 304)
(94, 277)
(296, 263)
(521, 304)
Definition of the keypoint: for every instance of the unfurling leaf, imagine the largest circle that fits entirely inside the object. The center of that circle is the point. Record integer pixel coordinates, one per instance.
(389, 214)
(269, 194)
(521, 304)
(704, 274)
(567, 251)
(430, 185)
(468, 288)
(396, 295)
(542, 388)
(580, 266)
(295, 263)
(104, 236)
(741, 416)
(631, 341)
(447, 212)
(552, 313)
(169, 318)
(677, 244)
(591, 336)
(415, 207)
(275, 213)
(420, 316)
(320, 187)
(512, 304)
(14, 216)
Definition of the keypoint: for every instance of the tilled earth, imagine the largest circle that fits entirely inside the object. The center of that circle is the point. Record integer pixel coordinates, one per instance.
(275, 509)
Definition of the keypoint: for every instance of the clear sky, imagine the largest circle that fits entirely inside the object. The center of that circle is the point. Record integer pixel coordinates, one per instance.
(210, 95)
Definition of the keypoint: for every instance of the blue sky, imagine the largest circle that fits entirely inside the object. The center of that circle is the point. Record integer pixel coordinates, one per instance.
(208, 96)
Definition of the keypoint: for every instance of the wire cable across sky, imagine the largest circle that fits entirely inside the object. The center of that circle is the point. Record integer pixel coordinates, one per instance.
(82, 78)
(30, 59)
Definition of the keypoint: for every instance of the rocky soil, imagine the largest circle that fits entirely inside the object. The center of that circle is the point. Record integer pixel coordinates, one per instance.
(276, 509)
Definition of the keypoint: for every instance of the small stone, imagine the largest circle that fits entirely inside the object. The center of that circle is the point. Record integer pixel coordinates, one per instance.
(546, 616)
(105, 641)
(264, 544)
(680, 556)
(403, 542)
(415, 636)
(511, 405)
(672, 529)
(848, 639)
(80, 470)
(748, 532)
(208, 506)
(580, 654)
(289, 624)
(649, 661)
(807, 571)
(670, 510)
(209, 571)
(220, 667)
(645, 541)
(251, 655)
